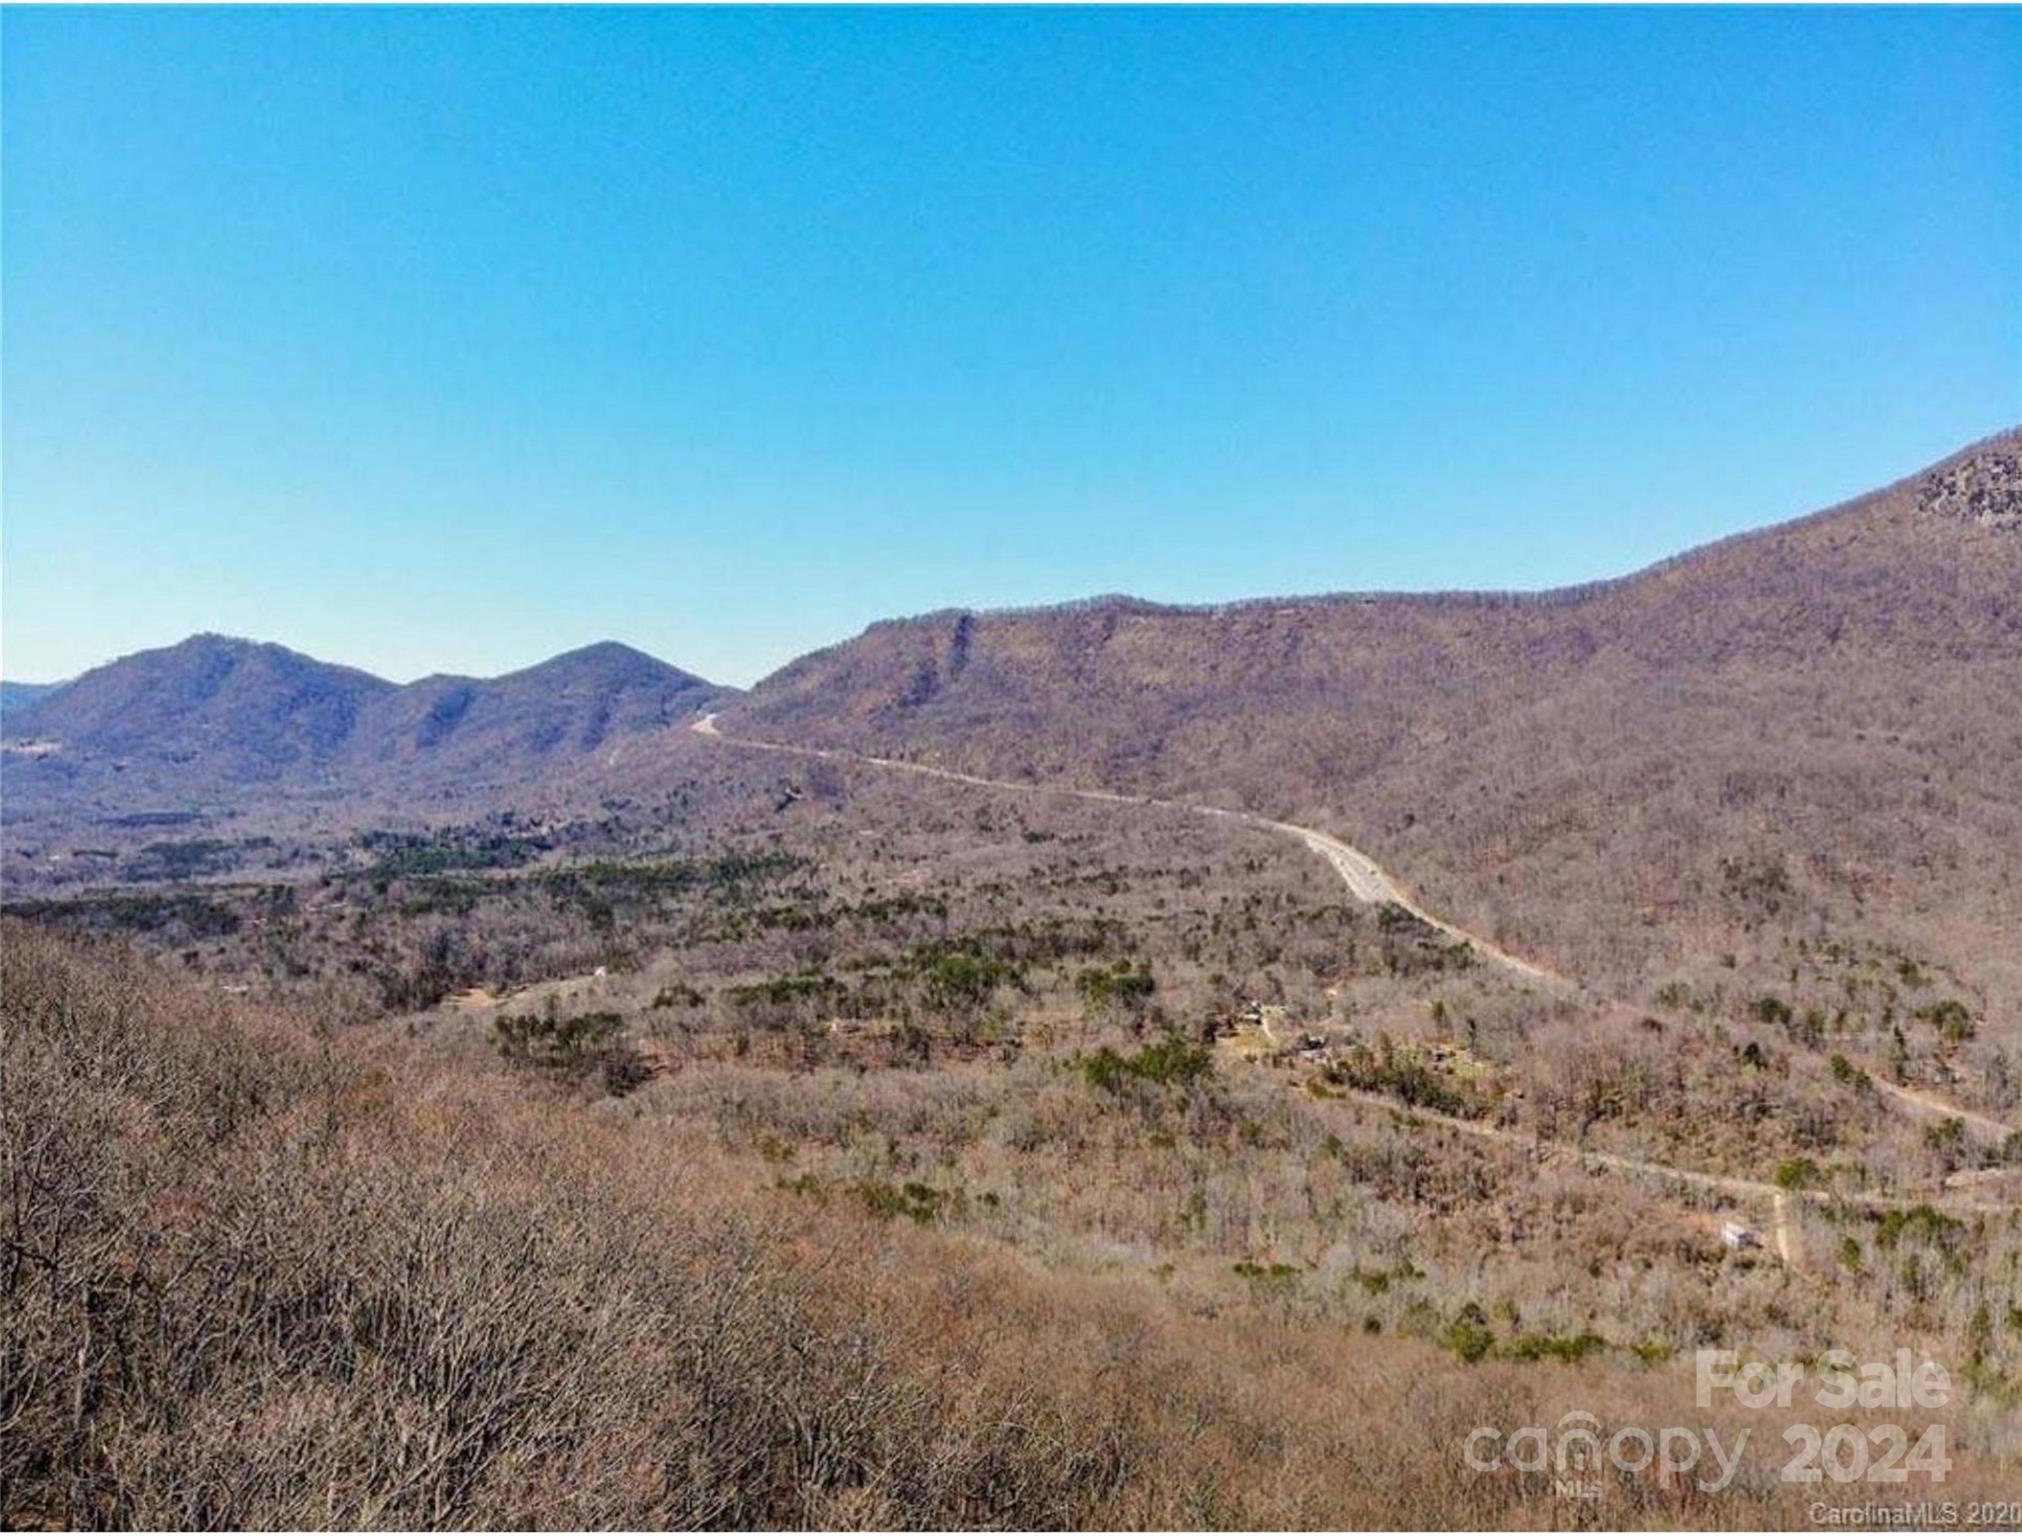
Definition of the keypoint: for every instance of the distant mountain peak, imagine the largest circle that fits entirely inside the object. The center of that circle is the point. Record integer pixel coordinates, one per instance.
(214, 712)
(606, 653)
(218, 653)
(608, 661)
(210, 640)
(607, 650)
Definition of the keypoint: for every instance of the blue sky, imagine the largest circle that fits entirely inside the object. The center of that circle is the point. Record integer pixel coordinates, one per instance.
(447, 339)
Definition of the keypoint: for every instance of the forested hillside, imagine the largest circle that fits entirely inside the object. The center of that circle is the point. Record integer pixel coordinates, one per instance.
(1802, 734)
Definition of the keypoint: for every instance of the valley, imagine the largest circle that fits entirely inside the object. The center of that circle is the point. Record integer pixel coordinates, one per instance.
(1249, 1015)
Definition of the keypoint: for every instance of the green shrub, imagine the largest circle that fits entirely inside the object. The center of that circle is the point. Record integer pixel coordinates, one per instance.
(1948, 1135)
(1566, 1348)
(785, 989)
(1121, 983)
(920, 1204)
(954, 979)
(1165, 1062)
(1796, 1173)
(1270, 1274)
(1950, 1018)
(547, 1040)
(1922, 1222)
(1403, 1077)
(1468, 1336)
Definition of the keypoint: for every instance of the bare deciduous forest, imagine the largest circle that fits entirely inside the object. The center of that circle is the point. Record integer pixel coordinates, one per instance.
(669, 1129)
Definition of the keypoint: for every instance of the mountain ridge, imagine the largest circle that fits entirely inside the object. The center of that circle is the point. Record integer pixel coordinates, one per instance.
(214, 716)
(1825, 714)
(2006, 442)
(1822, 718)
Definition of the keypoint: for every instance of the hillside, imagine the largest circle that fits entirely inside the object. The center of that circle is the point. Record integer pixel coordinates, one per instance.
(499, 730)
(1074, 1160)
(15, 696)
(216, 721)
(1808, 732)
(232, 710)
(289, 1277)
(1807, 736)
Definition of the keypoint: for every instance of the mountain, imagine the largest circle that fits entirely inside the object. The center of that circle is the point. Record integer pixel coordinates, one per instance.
(1798, 741)
(1809, 732)
(497, 729)
(214, 720)
(15, 696)
(235, 711)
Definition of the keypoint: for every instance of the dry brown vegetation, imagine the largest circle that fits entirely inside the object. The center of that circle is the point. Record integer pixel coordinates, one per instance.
(257, 1276)
(951, 953)
(702, 1135)
(1806, 732)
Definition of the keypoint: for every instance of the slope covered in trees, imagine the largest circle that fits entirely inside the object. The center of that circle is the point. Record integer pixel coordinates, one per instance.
(1802, 733)
(219, 722)
(261, 1275)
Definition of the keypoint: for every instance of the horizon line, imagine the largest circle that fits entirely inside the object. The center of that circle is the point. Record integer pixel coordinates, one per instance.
(1541, 595)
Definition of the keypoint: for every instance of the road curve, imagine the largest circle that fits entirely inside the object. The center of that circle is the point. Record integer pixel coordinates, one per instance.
(1367, 881)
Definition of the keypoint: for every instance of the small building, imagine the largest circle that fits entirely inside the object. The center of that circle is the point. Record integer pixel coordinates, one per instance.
(1738, 1237)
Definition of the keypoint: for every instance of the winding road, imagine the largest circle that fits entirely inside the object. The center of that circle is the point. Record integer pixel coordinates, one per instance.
(1368, 881)
(1775, 1196)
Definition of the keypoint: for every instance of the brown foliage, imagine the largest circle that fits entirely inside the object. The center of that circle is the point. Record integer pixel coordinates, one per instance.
(1822, 713)
(257, 1277)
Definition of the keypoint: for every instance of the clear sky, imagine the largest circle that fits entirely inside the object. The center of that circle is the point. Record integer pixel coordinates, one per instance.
(448, 339)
